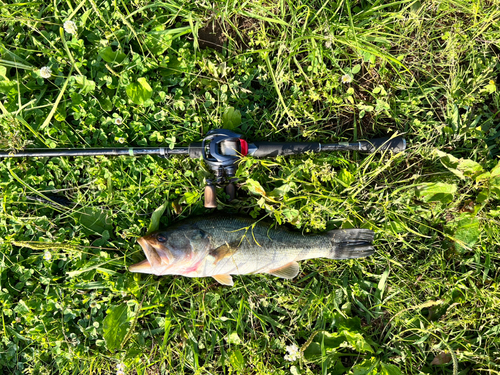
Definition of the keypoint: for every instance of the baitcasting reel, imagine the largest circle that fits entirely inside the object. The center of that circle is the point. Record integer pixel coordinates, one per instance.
(226, 148)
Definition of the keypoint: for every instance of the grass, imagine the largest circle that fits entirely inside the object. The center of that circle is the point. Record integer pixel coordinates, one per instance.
(427, 302)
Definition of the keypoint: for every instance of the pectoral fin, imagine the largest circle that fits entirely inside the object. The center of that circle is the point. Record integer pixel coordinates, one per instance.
(288, 271)
(224, 279)
(224, 251)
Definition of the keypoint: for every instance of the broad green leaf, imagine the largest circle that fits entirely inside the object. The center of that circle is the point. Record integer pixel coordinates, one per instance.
(367, 367)
(234, 339)
(467, 232)
(338, 368)
(106, 104)
(115, 326)
(60, 114)
(312, 350)
(395, 227)
(191, 197)
(21, 308)
(463, 168)
(85, 85)
(282, 190)
(494, 185)
(76, 98)
(491, 87)
(237, 361)
(345, 177)
(358, 342)
(5, 83)
(349, 324)
(388, 369)
(483, 196)
(157, 42)
(495, 172)
(109, 56)
(231, 118)
(324, 341)
(494, 182)
(14, 333)
(495, 213)
(85, 16)
(155, 218)
(437, 192)
(171, 142)
(382, 105)
(95, 220)
(483, 177)
(470, 168)
(255, 187)
(291, 214)
(330, 340)
(139, 92)
(356, 68)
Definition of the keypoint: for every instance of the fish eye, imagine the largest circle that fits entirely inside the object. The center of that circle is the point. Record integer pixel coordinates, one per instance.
(161, 238)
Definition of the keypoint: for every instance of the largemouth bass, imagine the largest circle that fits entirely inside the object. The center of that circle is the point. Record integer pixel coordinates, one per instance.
(221, 246)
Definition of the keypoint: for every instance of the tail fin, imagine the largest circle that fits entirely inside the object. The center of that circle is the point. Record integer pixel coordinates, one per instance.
(351, 243)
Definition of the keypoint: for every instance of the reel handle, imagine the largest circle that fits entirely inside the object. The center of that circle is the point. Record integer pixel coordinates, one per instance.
(210, 196)
(230, 190)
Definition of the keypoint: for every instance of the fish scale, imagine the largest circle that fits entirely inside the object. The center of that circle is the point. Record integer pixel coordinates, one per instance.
(220, 246)
(261, 248)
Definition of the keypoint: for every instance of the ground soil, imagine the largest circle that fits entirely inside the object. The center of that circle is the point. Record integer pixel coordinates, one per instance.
(217, 33)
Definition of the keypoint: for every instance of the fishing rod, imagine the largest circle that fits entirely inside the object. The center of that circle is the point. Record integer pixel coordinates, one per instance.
(221, 150)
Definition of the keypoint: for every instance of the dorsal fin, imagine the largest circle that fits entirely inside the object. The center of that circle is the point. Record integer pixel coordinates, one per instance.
(224, 279)
(288, 271)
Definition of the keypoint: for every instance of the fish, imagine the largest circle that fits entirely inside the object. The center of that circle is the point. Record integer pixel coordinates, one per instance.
(224, 245)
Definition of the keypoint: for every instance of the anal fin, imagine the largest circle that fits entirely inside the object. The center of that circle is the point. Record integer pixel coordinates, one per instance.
(288, 271)
(224, 279)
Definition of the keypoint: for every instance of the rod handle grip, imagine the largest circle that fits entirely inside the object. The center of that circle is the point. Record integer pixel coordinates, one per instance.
(271, 149)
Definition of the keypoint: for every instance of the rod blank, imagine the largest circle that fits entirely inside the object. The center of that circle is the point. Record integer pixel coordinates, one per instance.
(126, 151)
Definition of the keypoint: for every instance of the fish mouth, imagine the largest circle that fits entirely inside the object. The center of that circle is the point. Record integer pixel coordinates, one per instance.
(153, 259)
(141, 267)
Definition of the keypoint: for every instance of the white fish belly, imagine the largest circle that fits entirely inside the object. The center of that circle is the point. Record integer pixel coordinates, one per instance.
(247, 260)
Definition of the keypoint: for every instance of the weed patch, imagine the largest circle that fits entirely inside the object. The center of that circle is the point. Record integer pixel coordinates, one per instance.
(150, 73)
